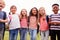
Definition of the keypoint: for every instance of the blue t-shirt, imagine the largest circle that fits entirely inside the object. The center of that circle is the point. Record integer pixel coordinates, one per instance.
(2, 16)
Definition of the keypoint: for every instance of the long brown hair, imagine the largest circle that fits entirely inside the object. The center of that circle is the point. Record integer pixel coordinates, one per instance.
(31, 14)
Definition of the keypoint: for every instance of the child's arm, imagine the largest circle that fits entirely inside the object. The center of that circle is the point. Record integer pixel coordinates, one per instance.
(38, 22)
(4, 21)
(20, 17)
(57, 22)
(28, 20)
(51, 22)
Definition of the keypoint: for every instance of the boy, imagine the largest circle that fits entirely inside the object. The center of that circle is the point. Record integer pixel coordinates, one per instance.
(54, 21)
(3, 19)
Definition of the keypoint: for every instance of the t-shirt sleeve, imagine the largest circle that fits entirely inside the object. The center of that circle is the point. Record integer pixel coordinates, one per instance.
(50, 16)
(5, 16)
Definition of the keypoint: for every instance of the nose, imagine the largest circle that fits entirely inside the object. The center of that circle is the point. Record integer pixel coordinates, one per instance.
(55, 8)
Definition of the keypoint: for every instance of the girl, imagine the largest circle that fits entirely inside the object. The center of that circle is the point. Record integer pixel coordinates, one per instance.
(33, 16)
(24, 24)
(43, 24)
(14, 23)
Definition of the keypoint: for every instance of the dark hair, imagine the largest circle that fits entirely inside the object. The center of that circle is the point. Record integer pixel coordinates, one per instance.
(9, 13)
(31, 14)
(13, 6)
(55, 4)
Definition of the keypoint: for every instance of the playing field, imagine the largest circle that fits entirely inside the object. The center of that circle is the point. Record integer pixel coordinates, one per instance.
(18, 38)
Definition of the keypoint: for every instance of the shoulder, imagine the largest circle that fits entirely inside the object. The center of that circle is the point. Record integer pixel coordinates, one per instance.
(51, 15)
(59, 14)
(4, 12)
(47, 16)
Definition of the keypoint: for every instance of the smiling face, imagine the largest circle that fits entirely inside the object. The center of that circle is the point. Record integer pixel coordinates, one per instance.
(13, 9)
(24, 12)
(34, 11)
(2, 5)
(42, 11)
(55, 9)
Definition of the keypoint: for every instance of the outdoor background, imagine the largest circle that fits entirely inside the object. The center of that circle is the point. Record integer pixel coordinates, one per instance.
(28, 4)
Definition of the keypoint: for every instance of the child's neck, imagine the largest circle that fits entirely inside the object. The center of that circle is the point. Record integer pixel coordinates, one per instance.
(13, 13)
(44, 15)
(33, 15)
(55, 13)
(24, 16)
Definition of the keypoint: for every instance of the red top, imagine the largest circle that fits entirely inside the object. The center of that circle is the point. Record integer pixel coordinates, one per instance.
(24, 23)
(43, 24)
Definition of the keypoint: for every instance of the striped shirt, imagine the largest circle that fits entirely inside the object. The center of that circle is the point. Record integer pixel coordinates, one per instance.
(55, 18)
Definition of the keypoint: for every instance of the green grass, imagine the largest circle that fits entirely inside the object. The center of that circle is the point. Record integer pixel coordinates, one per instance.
(6, 37)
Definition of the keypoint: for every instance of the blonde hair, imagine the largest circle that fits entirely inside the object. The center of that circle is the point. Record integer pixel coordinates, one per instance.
(41, 8)
(3, 3)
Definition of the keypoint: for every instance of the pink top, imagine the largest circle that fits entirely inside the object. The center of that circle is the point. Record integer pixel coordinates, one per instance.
(24, 23)
(10, 17)
(43, 24)
(33, 22)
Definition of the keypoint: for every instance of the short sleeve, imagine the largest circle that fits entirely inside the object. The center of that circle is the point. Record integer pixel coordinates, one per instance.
(50, 16)
(5, 16)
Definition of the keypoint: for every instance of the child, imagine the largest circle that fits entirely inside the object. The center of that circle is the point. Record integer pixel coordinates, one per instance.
(55, 22)
(14, 23)
(24, 24)
(44, 29)
(3, 20)
(33, 16)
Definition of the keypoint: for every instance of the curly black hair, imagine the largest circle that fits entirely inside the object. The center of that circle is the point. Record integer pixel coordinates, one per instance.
(55, 4)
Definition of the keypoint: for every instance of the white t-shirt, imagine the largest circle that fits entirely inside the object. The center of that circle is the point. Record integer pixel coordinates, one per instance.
(15, 23)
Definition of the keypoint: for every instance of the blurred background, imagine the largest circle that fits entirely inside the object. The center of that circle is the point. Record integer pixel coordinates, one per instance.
(28, 4)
